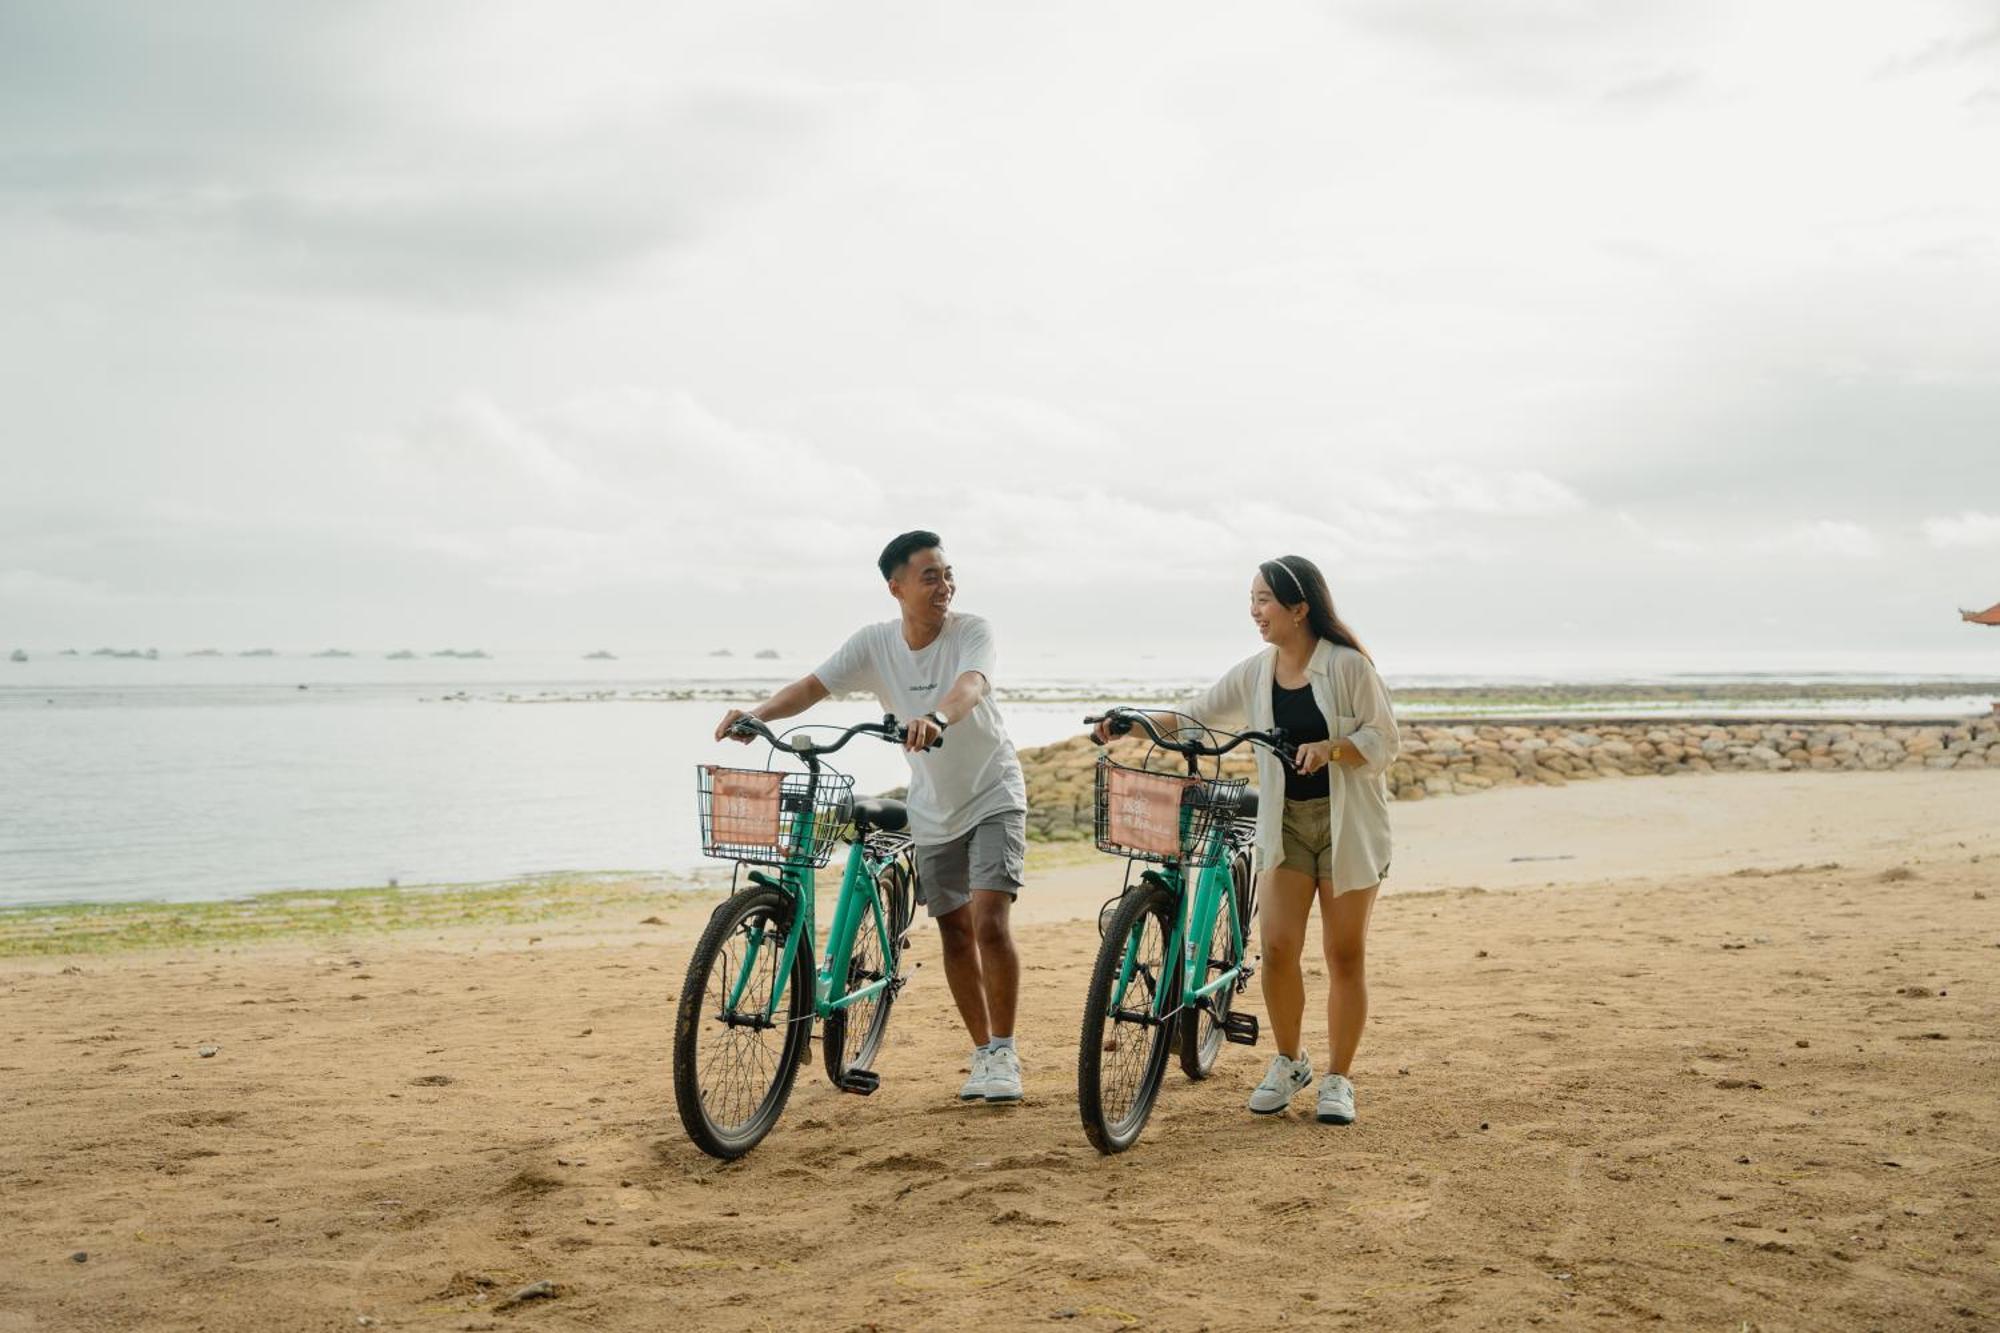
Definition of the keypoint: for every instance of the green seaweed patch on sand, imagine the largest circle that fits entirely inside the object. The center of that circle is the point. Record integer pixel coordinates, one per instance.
(76, 928)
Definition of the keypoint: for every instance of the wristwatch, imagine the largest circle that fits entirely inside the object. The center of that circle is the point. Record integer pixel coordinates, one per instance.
(938, 718)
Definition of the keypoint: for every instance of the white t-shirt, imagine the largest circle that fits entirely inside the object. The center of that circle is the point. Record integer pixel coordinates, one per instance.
(975, 774)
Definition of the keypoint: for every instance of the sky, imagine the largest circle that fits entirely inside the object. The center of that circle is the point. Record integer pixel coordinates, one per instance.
(1562, 335)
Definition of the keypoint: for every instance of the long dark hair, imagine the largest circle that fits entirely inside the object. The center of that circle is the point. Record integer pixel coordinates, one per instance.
(1293, 579)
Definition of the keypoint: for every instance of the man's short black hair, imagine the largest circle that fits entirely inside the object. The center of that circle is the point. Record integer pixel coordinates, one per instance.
(898, 552)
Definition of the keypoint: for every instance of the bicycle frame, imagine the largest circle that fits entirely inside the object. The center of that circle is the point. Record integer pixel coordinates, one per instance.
(858, 878)
(1193, 933)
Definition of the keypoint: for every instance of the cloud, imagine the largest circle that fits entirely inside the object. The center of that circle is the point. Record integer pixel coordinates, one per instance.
(29, 585)
(1969, 529)
(1648, 92)
(1827, 536)
(1666, 543)
(614, 487)
(1549, 49)
(1962, 48)
(1463, 490)
(354, 168)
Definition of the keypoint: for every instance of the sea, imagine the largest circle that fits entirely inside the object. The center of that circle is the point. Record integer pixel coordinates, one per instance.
(179, 777)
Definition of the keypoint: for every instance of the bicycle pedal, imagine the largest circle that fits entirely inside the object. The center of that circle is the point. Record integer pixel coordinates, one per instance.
(860, 1082)
(1240, 1028)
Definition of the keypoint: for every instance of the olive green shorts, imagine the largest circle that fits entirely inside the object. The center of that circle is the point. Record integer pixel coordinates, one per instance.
(1308, 846)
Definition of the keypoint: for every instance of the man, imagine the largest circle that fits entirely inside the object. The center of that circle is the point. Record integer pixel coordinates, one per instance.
(932, 667)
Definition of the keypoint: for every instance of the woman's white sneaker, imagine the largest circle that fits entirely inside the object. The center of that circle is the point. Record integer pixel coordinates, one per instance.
(1284, 1080)
(1336, 1100)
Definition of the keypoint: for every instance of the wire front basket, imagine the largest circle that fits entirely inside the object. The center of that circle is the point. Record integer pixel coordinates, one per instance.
(1161, 817)
(772, 818)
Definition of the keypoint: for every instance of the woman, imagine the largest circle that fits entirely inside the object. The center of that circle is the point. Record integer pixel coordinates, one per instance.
(1327, 840)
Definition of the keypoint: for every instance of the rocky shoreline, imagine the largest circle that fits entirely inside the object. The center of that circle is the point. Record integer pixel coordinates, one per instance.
(1447, 758)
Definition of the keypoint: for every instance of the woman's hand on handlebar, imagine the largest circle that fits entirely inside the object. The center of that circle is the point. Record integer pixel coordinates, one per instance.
(1311, 757)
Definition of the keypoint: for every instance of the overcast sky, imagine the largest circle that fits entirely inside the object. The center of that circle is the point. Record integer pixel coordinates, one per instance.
(1557, 332)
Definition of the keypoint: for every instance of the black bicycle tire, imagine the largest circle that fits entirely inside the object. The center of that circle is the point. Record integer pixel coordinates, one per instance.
(689, 1019)
(1201, 1032)
(1142, 899)
(833, 1038)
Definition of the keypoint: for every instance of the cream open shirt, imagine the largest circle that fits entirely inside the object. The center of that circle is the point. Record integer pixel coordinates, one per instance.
(1356, 704)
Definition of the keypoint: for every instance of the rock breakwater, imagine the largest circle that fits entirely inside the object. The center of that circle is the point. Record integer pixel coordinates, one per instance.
(1457, 759)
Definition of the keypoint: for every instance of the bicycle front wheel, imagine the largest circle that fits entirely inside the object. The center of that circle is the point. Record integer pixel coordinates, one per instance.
(1201, 1031)
(1122, 1056)
(853, 1034)
(734, 1064)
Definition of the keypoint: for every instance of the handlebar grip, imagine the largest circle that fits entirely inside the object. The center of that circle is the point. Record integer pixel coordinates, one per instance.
(1120, 724)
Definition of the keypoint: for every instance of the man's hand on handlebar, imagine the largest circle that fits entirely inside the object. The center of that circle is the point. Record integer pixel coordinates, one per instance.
(920, 733)
(729, 721)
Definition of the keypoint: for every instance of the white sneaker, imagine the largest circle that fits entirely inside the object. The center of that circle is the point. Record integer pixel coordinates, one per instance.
(1336, 1100)
(980, 1079)
(1284, 1080)
(1003, 1075)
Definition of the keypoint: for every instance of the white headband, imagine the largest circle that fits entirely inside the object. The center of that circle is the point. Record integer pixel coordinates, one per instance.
(1297, 582)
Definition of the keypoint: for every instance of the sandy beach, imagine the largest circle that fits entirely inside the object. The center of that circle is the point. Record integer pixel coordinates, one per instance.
(1712, 1052)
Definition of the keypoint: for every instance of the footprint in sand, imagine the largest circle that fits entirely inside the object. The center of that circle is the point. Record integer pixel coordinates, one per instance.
(904, 1161)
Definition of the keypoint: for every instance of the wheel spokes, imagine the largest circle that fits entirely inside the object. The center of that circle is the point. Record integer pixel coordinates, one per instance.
(1126, 1046)
(739, 1063)
(864, 968)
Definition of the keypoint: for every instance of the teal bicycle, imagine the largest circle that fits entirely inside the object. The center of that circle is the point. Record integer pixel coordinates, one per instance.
(747, 1009)
(1171, 963)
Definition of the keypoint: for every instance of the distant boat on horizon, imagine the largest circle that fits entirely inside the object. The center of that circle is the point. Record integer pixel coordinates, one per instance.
(259, 652)
(767, 655)
(722, 652)
(599, 656)
(206, 652)
(475, 654)
(18, 655)
(404, 655)
(333, 652)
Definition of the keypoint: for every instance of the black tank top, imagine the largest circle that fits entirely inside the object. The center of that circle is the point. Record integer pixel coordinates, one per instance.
(1298, 714)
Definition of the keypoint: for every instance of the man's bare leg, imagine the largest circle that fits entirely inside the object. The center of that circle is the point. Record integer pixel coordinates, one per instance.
(999, 968)
(958, 930)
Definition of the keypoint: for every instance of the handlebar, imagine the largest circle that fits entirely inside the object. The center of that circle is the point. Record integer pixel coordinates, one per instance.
(810, 748)
(1122, 721)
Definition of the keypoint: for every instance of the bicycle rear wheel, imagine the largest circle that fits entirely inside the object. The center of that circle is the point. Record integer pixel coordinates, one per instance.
(733, 1067)
(1201, 1029)
(1121, 1058)
(853, 1035)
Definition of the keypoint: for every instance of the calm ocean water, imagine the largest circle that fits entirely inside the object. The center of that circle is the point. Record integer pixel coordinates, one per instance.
(212, 777)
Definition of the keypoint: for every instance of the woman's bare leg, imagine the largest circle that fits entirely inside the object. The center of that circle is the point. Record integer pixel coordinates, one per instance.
(1284, 903)
(1343, 923)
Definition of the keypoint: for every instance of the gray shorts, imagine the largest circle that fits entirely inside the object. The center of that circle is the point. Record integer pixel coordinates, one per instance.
(990, 856)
